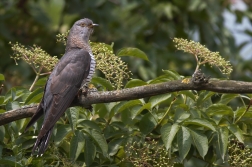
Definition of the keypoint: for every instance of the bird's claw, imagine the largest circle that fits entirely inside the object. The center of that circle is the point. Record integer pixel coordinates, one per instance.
(83, 91)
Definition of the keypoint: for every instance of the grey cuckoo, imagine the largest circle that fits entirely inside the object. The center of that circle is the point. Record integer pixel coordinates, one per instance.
(74, 70)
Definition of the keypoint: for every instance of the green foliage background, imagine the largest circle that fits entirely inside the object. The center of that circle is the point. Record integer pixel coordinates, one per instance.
(184, 127)
(148, 25)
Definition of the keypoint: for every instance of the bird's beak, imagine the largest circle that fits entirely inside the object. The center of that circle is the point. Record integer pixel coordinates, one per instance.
(95, 25)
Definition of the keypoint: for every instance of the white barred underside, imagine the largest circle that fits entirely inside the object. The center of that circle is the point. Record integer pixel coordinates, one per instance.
(86, 81)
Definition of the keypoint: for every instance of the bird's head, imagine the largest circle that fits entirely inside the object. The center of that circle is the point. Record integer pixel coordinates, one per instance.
(80, 32)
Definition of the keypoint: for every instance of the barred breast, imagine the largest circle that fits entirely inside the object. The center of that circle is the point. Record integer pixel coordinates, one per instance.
(86, 81)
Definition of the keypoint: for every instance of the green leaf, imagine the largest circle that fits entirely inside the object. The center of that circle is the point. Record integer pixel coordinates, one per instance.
(15, 93)
(111, 132)
(200, 141)
(2, 77)
(223, 141)
(237, 132)
(101, 81)
(73, 116)
(41, 81)
(1, 100)
(76, 144)
(114, 145)
(184, 142)
(132, 52)
(10, 161)
(146, 106)
(2, 133)
(160, 79)
(129, 104)
(147, 123)
(12, 105)
(89, 151)
(196, 5)
(1, 151)
(188, 93)
(204, 99)
(242, 111)
(89, 124)
(116, 107)
(21, 124)
(101, 109)
(62, 131)
(126, 115)
(217, 119)
(168, 133)
(134, 83)
(172, 74)
(180, 115)
(195, 112)
(156, 100)
(35, 96)
(226, 98)
(200, 122)
(168, 76)
(99, 140)
(219, 109)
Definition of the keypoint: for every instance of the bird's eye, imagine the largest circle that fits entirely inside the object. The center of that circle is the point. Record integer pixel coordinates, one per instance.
(82, 24)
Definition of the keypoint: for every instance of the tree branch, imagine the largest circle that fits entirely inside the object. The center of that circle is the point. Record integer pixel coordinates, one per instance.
(220, 86)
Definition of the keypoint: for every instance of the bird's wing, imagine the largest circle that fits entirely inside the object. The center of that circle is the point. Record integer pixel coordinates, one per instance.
(63, 86)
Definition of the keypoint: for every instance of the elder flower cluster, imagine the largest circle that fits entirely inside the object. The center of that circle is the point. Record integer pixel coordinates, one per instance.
(239, 155)
(62, 37)
(203, 55)
(149, 154)
(114, 69)
(36, 57)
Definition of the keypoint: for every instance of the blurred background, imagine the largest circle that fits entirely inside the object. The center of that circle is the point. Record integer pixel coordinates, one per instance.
(224, 26)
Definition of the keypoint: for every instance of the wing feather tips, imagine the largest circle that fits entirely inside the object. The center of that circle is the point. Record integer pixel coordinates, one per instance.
(41, 143)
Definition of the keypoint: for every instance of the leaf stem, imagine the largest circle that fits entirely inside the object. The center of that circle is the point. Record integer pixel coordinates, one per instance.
(198, 63)
(250, 103)
(46, 73)
(167, 111)
(29, 62)
(36, 78)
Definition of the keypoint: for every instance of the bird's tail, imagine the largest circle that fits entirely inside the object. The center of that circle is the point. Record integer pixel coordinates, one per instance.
(42, 143)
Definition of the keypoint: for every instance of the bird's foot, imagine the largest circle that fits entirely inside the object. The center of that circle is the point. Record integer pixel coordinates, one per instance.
(85, 90)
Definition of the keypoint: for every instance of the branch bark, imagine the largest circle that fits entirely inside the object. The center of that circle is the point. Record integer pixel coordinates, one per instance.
(220, 86)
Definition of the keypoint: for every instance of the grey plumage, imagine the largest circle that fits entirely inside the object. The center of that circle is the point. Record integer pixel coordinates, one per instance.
(74, 70)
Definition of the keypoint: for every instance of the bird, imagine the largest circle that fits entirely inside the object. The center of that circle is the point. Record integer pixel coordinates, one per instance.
(73, 72)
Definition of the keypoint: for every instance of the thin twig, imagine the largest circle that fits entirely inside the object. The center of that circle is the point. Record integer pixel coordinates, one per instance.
(36, 78)
(167, 112)
(46, 73)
